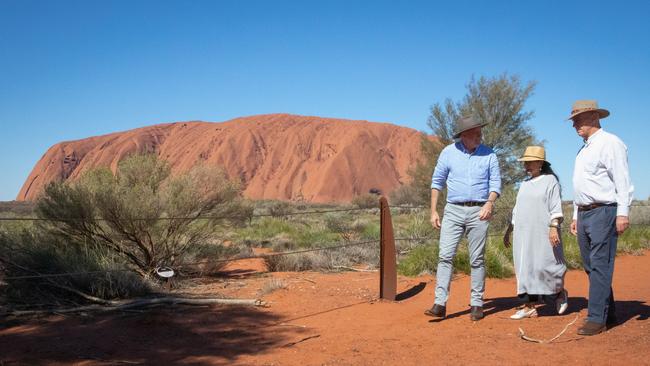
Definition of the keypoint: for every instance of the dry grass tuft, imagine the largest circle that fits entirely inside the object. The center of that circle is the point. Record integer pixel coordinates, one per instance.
(271, 286)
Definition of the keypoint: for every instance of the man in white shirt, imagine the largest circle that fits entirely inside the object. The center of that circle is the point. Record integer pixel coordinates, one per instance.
(602, 198)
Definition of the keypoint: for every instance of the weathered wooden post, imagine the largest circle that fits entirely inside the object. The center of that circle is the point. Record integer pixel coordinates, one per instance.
(388, 272)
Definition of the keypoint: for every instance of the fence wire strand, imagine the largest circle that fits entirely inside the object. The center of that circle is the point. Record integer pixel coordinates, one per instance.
(258, 256)
(208, 217)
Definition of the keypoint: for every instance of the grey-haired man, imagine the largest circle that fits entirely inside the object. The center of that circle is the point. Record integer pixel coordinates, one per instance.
(602, 197)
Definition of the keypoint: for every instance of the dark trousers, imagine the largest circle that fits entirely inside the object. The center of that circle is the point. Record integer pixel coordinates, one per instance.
(597, 239)
(528, 298)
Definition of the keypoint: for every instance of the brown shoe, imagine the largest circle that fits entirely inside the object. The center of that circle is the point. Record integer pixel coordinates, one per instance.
(437, 311)
(476, 313)
(591, 328)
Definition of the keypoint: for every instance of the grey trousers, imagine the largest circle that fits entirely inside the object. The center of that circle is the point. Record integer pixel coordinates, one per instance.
(458, 220)
(597, 239)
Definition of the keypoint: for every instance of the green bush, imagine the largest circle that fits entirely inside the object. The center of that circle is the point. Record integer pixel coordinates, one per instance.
(498, 261)
(142, 214)
(422, 259)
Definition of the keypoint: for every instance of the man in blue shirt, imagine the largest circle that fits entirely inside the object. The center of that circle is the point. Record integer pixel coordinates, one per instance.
(470, 171)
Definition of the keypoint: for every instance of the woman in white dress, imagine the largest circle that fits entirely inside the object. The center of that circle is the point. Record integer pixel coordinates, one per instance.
(537, 246)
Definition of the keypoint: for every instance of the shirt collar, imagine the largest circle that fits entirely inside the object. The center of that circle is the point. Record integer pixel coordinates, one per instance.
(594, 136)
(462, 148)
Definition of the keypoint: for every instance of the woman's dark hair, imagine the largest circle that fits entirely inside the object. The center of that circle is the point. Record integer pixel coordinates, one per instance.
(546, 169)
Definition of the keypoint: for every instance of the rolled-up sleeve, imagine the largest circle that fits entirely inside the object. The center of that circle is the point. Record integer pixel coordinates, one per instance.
(495, 175)
(440, 173)
(554, 200)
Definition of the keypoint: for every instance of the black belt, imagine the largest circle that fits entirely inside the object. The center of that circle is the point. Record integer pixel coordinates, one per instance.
(469, 203)
(591, 206)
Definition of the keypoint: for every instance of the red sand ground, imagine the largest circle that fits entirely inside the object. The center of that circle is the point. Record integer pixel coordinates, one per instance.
(332, 319)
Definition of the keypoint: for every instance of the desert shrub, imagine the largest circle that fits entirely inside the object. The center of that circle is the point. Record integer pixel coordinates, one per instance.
(367, 254)
(280, 209)
(203, 258)
(405, 195)
(142, 214)
(366, 201)
(640, 213)
(371, 231)
(268, 230)
(297, 262)
(340, 224)
(97, 271)
(16, 208)
(634, 240)
(423, 259)
(418, 225)
(498, 261)
(315, 236)
(261, 231)
(502, 214)
(571, 251)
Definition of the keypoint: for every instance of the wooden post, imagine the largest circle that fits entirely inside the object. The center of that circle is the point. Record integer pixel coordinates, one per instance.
(388, 272)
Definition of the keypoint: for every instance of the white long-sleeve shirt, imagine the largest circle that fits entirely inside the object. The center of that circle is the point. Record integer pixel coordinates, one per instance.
(601, 173)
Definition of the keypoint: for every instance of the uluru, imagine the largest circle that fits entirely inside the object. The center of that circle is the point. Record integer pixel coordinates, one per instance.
(274, 156)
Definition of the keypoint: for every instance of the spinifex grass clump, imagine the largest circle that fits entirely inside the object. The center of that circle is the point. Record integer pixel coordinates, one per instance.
(28, 254)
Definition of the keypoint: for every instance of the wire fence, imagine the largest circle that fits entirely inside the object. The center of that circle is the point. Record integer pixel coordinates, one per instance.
(198, 217)
(252, 216)
(333, 246)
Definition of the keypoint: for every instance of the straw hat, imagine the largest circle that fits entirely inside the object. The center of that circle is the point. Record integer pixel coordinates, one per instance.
(582, 106)
(465, 124)
(533, 153)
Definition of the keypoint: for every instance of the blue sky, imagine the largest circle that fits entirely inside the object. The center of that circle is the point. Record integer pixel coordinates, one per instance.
(74, 69)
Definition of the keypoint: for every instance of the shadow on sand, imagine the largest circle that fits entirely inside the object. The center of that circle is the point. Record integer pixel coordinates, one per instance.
(625, 310)
(407, 294)
(188, 335)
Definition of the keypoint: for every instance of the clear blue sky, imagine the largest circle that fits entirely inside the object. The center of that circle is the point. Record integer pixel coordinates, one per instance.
(74, 69)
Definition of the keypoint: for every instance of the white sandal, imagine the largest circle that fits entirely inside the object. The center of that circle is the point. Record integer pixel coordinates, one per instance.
(562, 302)
(524, 312)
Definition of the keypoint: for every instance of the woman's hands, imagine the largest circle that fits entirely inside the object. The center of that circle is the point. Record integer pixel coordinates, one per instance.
(554, 235)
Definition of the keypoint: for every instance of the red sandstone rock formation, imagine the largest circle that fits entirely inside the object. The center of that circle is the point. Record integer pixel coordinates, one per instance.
(276, 156)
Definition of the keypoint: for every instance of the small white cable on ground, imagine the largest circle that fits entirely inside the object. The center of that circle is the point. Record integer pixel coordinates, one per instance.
(523, 335)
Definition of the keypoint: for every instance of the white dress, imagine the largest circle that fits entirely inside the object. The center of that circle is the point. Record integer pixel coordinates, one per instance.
(539, 266)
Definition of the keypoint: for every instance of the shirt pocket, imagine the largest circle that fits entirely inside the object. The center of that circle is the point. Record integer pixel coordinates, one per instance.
(480, 170)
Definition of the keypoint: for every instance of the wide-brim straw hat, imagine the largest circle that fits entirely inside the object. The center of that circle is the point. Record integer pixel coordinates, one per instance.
(582, 106)
(533, 153)
(465, 124)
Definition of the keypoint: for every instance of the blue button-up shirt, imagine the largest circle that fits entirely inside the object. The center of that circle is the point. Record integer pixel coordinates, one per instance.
(469, 177)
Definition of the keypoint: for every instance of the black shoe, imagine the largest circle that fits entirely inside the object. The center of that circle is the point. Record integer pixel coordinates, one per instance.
(437, 311)
(476, 313)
